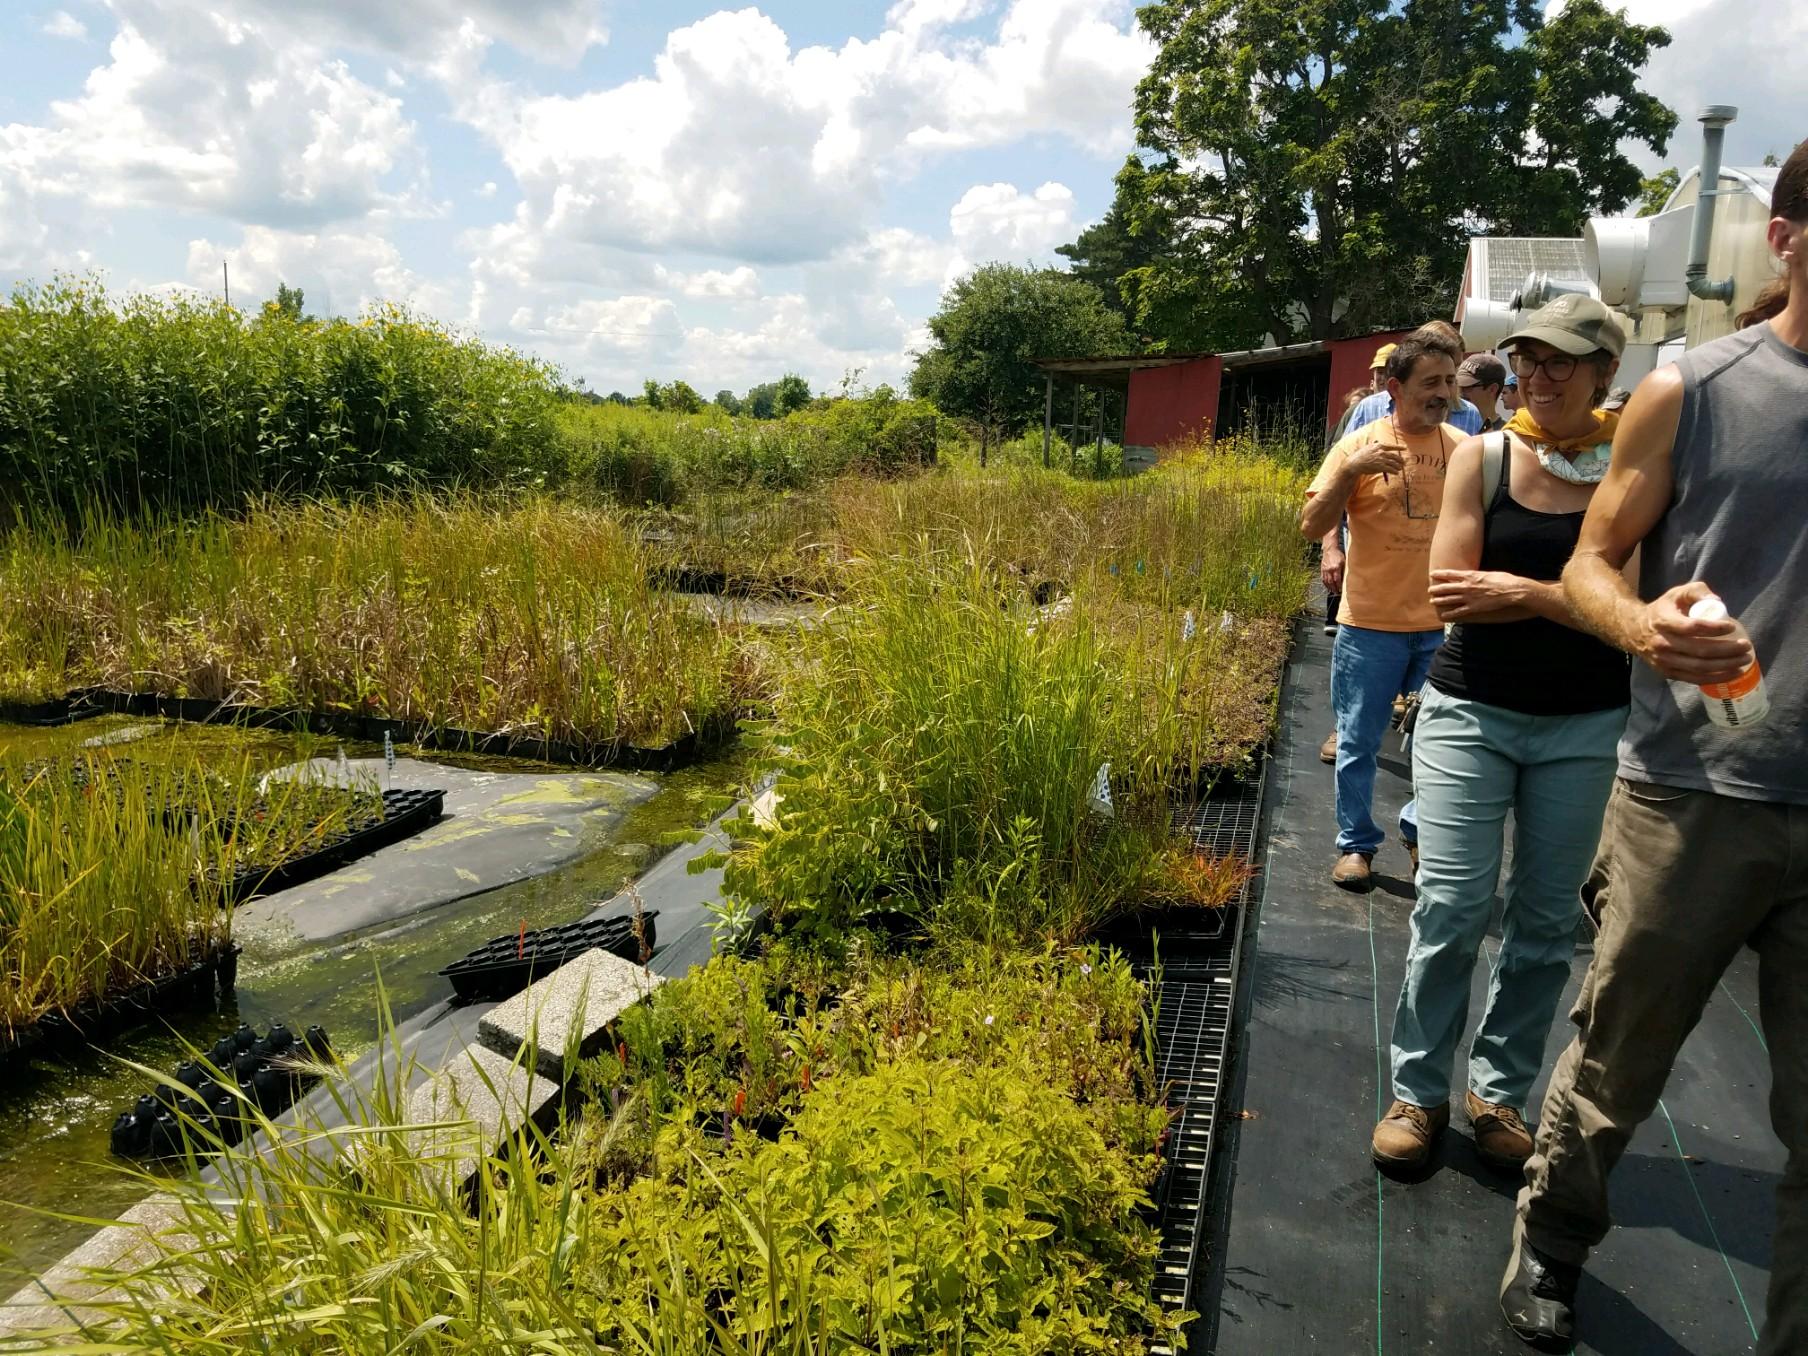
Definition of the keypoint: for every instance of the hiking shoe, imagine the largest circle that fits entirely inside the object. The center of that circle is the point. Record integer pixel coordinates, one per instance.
(1538, 1297)
(1403, 1139)
(1327, 751)
(1501, 1138)
(1352, 872)
(1412, 850)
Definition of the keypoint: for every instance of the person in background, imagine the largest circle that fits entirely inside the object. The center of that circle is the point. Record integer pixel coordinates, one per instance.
(1509, 396)
(1706, 846)
(1521, 714)
(1331, 555)
(1462, 414)
(1388, 478)
(1481, 377)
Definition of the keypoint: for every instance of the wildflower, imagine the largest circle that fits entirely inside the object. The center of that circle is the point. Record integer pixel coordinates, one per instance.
(988, 1019)
(1085, 969)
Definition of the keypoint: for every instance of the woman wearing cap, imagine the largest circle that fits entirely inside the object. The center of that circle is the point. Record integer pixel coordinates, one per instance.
(1522, 712)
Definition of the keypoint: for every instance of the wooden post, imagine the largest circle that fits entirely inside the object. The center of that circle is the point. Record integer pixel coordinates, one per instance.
(1073, 430)
(1048, 417)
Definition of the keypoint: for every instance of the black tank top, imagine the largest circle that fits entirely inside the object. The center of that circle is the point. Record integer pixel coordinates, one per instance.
(1536, 666)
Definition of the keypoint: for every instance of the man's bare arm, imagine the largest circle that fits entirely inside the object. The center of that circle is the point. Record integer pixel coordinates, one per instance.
(1324, 510)
(1634, 495)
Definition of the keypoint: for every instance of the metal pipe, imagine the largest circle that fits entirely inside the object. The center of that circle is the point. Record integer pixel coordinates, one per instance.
(1713, 119)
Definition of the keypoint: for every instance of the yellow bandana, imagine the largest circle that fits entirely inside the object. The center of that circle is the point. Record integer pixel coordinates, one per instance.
(1579, 461)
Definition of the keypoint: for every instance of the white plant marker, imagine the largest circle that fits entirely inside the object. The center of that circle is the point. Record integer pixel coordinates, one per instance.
(1187, 628)
(1100, 800)
(1226, 622)
(389, 760)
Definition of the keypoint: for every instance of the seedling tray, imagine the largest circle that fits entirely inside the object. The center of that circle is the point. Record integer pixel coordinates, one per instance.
(242, 1071)
(405, 813)
(202, 983)
(504, 966)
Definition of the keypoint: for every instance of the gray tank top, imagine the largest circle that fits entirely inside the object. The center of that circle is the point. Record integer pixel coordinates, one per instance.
(1736, 520)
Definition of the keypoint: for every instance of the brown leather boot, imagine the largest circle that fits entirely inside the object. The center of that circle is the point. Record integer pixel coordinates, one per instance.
(1352, 872)
(1403, 1139)
(1327, 751)
(1501, 1138)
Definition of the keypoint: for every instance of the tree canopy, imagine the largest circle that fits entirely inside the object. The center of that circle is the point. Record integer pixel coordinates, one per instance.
(1316, 170)
(992, 325)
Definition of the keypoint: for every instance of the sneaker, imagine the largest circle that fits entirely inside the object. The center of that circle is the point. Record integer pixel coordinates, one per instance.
(1403, 1139)
(1538, 1297)
(1412, 850)
(1327, 751)
(1501, 1138)
(1352, 872)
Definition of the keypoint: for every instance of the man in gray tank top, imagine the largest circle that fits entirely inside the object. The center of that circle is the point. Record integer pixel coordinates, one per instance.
(1705, 848)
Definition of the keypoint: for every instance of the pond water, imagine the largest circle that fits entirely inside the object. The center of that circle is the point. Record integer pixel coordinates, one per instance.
(55, 1113)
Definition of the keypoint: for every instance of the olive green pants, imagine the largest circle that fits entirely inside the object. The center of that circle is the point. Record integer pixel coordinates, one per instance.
(1684, 879)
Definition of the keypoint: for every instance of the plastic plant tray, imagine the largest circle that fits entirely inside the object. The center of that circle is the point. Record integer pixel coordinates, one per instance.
(405, 813)
(504, 966)
(242, 1071)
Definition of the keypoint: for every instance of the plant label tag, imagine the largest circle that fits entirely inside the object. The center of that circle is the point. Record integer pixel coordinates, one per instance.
(1100, 799)
(1187, 628)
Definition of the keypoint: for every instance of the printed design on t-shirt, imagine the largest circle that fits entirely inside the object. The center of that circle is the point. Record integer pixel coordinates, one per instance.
(1422, 483)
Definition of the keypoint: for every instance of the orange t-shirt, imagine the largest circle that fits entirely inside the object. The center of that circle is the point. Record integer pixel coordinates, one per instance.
(1387, 574)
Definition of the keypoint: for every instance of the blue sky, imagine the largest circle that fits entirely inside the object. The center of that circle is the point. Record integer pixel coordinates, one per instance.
(629, 190)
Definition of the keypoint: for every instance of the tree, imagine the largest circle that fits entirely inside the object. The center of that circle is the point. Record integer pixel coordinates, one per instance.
(1655, 191)
(728, 402)
(287, 302)
(681, 398)
(792, 394)
(1317, 170)
(992, 325)
(1109, 249)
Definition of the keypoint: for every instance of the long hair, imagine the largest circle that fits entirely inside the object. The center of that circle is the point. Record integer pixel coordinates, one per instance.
(1790, 201)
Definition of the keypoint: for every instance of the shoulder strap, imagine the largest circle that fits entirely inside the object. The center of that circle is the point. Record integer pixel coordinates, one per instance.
(1494, 464)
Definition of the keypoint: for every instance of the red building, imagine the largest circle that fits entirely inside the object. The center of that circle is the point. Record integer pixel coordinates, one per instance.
(1165, 399)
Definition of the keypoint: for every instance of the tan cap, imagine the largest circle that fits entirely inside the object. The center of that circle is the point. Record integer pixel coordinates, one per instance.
(1484, 369)
(1382, 354)
(1572, 324)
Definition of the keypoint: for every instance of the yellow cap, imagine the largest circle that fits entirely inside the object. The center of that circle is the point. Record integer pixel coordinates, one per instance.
(1382, 354)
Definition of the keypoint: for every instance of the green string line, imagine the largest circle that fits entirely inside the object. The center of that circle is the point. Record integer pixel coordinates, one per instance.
(1375, 1007)
(1756, 1030)
(1713, 1233)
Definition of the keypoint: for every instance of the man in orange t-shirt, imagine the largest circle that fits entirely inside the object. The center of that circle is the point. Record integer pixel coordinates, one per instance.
(1387, 478)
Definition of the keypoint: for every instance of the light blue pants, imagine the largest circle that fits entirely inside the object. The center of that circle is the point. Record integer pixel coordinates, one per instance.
(1368, 670)
(1471, 764)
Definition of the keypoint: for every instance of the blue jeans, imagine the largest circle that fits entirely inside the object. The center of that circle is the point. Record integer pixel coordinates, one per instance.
(1471, 764)
(1368, 670)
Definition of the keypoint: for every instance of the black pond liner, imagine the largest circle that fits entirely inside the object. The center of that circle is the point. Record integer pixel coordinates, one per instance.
(201, 984)
(405, 813)
(270, 1072)
(65, 710)
(688, 748)
(503, 966)
(719, 583)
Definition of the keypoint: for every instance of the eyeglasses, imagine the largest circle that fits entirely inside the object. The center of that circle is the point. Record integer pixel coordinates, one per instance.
(1558, 367)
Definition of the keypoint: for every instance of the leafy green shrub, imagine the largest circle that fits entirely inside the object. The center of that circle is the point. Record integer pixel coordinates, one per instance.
(182, 403)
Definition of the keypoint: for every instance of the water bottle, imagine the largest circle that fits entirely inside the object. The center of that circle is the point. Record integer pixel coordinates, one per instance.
(1742, 702)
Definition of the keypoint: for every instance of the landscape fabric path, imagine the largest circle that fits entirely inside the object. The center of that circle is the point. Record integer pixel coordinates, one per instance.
(1317, 1252)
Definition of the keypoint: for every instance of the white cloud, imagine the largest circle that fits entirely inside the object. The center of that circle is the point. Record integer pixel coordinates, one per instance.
(739, 147)
(550, 30)
(63, 24)
(1725, 52)
(199, 112)
(996, 221)
(341, 272)
(486, 190)
(741, 284)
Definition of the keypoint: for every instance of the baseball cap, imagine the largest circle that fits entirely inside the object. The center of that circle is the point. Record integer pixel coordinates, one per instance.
(1572, 324)
(1382, 354)
(1512, 378)
(1483, 369)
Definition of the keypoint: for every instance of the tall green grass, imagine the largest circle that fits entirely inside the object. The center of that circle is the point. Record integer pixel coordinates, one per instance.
(183, 403)
(530, 617)
(114, 872)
